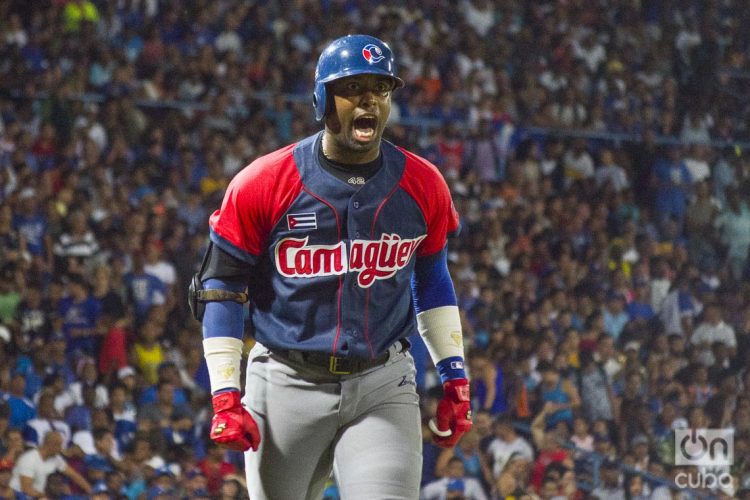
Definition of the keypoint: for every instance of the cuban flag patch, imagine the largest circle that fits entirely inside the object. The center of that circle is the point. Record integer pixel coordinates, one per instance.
(302, 221)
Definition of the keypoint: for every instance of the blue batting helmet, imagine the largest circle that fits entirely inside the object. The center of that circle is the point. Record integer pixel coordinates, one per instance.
(347, 56)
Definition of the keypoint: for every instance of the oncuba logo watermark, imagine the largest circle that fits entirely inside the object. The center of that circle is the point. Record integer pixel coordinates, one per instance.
(711, 451)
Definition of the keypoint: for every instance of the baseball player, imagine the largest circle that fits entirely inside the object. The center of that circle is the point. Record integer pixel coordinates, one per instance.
(339, 244)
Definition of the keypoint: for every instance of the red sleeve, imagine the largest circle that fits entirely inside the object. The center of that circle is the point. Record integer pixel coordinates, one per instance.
(254, 201)
(424, 183)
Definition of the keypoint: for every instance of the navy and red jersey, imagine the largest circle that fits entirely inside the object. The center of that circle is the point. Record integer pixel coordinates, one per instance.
(340, 256)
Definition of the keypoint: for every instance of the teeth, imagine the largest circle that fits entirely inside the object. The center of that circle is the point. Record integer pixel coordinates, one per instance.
(364, 133)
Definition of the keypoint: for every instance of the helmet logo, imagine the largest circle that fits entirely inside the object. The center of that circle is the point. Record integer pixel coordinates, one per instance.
(372, 53)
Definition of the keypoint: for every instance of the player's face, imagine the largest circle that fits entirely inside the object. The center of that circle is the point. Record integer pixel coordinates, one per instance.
(355, 124)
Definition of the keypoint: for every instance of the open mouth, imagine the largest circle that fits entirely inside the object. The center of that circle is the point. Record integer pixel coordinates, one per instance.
(364, 127)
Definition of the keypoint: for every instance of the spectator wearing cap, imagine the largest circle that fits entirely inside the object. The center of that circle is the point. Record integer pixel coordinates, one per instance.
(127, 376)
(196, 485)
(32, 469)
(97, 468)
(99, 491)
(454, 485)
(609, 487)
(639, 446)
(163, 477)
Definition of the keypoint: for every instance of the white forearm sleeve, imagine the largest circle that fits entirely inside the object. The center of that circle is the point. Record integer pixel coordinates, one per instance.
(223, 357)
(440, 329)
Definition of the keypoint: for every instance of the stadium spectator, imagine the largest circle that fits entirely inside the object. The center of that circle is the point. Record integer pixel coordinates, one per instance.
(455, 485)
(34, 467)
(505, 445)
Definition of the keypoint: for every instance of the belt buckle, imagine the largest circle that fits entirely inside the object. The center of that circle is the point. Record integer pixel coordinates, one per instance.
(338, 366)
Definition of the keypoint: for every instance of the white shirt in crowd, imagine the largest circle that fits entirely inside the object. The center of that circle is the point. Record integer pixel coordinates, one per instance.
(578, 166)
(162, 270)
(708, 333)
(31, 464)
(699, 169)
(613, 174)
(500, 451)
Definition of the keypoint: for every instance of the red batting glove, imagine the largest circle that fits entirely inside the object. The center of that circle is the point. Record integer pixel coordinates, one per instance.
(232, 426)
(453, 416)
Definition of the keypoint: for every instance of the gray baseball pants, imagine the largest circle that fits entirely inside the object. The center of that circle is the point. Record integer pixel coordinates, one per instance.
(364, 426)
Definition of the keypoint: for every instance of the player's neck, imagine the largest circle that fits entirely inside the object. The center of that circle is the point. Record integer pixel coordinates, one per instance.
(344, 156)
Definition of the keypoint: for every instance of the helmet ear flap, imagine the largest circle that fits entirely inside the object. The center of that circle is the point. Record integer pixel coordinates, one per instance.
(320, 101)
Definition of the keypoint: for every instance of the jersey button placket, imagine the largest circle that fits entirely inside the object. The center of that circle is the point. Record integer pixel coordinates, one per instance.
(356, 204)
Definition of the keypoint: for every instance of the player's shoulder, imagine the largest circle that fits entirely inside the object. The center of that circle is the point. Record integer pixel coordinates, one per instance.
(268, 166)
(420, 177)
(417, 165)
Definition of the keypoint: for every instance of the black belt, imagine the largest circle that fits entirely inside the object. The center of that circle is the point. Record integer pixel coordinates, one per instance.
(339, 365)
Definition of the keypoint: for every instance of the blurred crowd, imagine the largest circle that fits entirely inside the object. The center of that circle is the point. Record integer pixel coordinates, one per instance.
(603, 282)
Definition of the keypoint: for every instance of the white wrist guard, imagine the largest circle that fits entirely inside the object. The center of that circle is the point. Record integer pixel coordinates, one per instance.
(440, 329)
(223, 356)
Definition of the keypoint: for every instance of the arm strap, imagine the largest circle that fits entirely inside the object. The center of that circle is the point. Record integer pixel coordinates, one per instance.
(214, 295)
